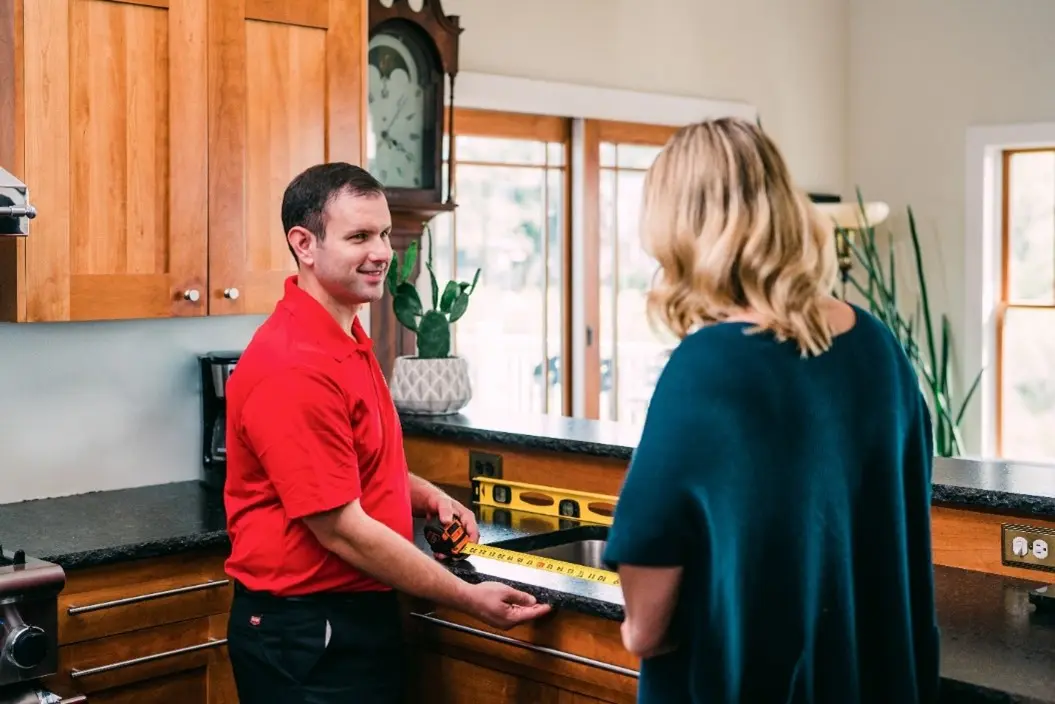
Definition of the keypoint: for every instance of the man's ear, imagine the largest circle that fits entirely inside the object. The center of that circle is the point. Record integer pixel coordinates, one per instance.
(301, 240)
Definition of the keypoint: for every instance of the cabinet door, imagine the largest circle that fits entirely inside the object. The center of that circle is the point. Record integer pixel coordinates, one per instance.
(286, 91)
(116, 137)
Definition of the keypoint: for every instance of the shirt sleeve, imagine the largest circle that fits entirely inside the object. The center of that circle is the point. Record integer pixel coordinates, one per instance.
(297, 423)
(653, 522)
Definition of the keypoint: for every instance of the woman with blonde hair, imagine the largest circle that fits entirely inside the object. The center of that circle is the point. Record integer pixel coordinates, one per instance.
(773, 532)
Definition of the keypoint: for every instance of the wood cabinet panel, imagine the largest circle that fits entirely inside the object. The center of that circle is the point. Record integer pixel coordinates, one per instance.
(178, 663)
(170, 649)
(156, 138)
(575, 635)
(448, 680)
(116, 599)
(279, 87)
(115, 141)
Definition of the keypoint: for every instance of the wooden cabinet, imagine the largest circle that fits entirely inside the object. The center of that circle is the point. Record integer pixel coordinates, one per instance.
(565, 658)
(151, 630)
(156, 138)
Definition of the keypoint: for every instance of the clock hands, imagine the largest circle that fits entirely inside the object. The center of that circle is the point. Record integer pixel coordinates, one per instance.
(384, 132)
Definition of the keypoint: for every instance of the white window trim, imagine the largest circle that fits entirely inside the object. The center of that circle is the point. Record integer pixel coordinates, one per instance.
(982, 261)
(483, 91)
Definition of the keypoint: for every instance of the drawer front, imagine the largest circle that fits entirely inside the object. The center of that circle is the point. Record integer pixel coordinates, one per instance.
(185, 656)
(120, 598)
(569, 650)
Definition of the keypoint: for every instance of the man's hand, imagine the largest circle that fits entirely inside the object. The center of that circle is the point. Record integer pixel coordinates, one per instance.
(446, 509)
(501, 606)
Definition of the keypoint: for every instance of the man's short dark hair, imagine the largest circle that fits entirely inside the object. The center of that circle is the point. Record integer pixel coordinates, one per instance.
(307, 195)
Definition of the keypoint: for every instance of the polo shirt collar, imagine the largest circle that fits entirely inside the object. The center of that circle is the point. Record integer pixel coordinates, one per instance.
(321, 325)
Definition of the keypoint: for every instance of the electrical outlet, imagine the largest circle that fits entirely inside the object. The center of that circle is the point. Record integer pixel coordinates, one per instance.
(1028, 546)
(484, 464)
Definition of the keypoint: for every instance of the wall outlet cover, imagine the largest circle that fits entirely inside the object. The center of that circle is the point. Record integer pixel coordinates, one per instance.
(484, 464)
(1027, 546)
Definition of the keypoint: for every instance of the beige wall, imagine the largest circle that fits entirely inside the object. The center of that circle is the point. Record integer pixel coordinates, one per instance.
(786, 58)
(921, 73)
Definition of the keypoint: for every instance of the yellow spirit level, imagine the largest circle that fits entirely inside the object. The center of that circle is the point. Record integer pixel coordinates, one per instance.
(544, 500)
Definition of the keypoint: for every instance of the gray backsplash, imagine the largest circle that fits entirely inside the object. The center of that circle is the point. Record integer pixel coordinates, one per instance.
(105, 405)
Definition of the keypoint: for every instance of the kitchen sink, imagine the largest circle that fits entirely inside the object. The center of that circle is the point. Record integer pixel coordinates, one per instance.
(580, 552)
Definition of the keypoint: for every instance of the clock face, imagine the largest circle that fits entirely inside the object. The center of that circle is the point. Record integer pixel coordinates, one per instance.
(399, 131)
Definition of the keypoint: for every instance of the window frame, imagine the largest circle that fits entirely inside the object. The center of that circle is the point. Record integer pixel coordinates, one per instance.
(595, 132)
(1003, 303)
(478, 122)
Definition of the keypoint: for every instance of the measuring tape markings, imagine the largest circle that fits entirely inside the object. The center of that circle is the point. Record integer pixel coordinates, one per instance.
(567, 569)
(453, 541)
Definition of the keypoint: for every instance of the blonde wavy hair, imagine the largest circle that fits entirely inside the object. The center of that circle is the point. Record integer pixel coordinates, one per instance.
(733, 234)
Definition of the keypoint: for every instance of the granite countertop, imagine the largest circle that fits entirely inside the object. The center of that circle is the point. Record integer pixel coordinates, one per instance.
(1021, 488)
(995, 647)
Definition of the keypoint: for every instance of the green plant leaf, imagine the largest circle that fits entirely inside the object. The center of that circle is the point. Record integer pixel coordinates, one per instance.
(392, 277)
(476, 277)
(434, 285)
(408, 262)
(970, 394)
(406, 304)
(434, 336)
(461, 303)
(449, 292)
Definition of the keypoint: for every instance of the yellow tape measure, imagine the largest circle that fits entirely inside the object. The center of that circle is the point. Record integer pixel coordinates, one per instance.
(567, 569)
(544, 500)
(453, 541)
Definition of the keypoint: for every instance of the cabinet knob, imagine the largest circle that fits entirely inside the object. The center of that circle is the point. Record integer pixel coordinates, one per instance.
(191, 295)
(231, 293)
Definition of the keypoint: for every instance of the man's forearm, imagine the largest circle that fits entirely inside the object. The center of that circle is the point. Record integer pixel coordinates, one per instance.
(420, 492)
(374, 548)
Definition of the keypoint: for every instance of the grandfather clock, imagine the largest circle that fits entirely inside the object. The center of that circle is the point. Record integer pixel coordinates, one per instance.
(411, 56)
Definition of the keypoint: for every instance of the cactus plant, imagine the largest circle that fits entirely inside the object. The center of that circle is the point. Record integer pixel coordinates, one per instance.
(431, 327)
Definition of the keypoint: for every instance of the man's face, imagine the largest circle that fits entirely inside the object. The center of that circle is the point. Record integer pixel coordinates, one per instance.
(353, 258)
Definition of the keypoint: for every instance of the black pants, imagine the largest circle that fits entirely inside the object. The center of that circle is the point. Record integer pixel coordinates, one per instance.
(280, 655)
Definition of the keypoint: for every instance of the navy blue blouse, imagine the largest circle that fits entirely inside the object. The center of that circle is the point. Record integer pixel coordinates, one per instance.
(795, 493)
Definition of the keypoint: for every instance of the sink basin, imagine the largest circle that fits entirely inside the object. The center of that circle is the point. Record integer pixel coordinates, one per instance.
(580, 552)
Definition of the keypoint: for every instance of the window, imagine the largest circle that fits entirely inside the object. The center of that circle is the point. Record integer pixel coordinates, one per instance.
(629, 355)
(1026, 312)
(513, 181)
(511, 185)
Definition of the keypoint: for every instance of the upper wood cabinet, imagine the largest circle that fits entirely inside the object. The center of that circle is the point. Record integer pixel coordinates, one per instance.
(156, 138)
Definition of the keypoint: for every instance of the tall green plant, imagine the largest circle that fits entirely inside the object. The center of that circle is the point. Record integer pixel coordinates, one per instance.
(930, 351)
(432, 327)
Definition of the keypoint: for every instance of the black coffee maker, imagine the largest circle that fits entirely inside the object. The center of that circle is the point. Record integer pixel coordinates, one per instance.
(216, 369)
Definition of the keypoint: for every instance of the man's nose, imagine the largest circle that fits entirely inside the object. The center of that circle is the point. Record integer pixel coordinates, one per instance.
(381, 251)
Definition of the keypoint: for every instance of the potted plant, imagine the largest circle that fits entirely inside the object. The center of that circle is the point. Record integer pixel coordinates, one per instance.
(432, 382)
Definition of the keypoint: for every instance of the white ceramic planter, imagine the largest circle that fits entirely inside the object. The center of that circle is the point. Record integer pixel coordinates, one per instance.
(433, 387)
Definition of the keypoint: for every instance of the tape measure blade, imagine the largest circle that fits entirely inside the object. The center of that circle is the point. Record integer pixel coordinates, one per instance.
(566, 569)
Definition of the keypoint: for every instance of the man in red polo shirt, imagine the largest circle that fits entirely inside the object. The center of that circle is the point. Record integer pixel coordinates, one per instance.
(318, 496)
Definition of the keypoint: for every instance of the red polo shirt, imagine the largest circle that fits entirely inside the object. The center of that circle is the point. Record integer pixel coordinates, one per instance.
(310, 427)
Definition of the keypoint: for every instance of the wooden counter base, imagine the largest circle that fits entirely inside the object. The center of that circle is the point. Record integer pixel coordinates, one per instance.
(454, 666)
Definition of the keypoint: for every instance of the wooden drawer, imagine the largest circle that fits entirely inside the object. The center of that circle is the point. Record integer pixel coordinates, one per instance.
(113, 599)
(568, 650)
(178, 663)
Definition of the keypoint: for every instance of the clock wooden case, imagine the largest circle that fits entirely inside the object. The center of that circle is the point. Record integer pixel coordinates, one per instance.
(412, 55)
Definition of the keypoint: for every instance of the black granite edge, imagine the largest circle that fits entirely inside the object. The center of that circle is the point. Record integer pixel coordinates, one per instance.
(562, 600)
(1024, 505)
(128, 552)
(1022, 488)
(531, 432)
